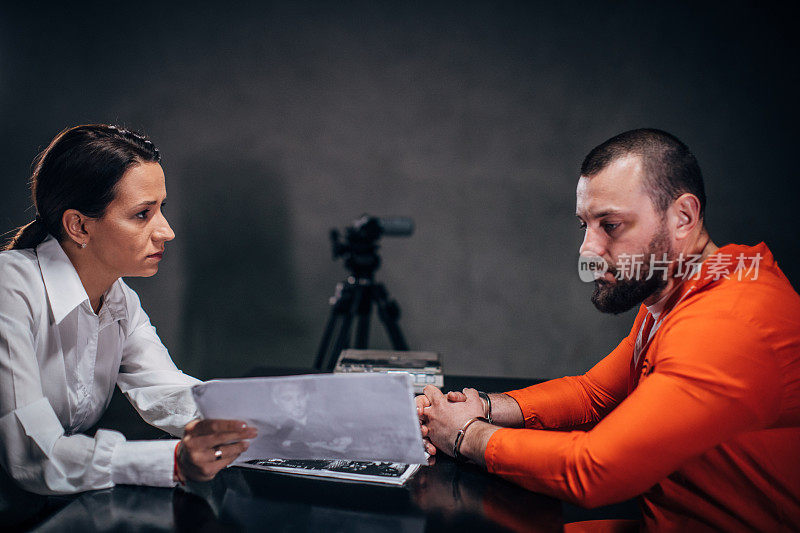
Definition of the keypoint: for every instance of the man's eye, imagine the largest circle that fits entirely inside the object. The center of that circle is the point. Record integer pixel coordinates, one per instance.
(582, 225)
(610, 227)
(142, 214)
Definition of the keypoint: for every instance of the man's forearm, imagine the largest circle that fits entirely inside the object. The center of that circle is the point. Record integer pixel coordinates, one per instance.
(505, 411)
(475, 441)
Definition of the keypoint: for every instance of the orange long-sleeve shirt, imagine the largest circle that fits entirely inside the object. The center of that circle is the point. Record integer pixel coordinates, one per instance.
(710, 437)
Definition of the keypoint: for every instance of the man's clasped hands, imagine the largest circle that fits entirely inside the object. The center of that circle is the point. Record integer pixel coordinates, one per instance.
(441, 416)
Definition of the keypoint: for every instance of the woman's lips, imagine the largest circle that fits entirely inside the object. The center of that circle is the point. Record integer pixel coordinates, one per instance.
(158, 255)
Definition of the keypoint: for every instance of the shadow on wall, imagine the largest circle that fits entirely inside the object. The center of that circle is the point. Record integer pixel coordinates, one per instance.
(238, 306)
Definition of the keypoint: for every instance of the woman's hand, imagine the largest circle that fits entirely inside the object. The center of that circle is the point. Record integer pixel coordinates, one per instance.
(208, 446)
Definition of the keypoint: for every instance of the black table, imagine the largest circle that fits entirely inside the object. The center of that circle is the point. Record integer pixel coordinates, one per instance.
(446, 496)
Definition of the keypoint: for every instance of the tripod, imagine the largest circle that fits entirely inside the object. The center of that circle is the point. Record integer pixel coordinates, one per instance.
(354, 298)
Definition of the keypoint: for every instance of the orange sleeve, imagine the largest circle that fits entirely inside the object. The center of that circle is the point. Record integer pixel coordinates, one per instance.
(575, 401)
(712, 379)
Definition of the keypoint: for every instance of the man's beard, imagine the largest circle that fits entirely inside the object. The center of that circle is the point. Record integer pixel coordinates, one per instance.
(627, 292)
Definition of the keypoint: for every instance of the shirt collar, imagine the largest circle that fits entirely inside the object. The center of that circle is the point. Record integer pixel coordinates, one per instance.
(656, 308)
(114, 301)
(727, 258)
(64, 289)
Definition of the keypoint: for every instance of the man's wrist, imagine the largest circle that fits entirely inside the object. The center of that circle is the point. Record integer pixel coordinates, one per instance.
(506, 412)
(487, 405)
(473, 445)
(460, 435)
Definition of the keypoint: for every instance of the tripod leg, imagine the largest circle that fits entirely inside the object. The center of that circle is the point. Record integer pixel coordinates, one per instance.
(362, 327)
(389, 313)
(340, 307)
(324, 344)
(343, 339)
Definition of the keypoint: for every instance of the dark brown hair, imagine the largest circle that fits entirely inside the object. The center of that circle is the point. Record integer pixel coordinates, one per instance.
(79, 170)
(670, 168)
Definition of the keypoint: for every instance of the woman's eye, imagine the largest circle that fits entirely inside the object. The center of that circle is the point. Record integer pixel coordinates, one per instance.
(582, 225)
(142, 214)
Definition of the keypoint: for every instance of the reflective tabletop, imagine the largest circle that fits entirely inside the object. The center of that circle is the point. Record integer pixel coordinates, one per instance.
(444, 496)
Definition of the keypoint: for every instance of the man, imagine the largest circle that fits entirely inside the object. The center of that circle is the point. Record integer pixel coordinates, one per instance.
(698, 409)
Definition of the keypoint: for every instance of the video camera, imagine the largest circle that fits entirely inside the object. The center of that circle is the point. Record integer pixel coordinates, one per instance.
(359, 245)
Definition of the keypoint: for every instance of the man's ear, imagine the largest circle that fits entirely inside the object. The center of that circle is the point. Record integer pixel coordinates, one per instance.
(685, 214)
(74, 224)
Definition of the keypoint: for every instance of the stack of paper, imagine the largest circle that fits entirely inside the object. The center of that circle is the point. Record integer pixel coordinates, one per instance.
(369, 418)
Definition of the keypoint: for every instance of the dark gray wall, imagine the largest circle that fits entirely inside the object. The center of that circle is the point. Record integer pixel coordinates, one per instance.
(277, 121)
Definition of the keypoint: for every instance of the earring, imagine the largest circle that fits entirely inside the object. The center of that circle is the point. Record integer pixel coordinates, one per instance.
(83, 245)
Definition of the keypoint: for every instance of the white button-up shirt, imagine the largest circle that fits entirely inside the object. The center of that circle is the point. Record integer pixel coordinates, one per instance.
(59, 363)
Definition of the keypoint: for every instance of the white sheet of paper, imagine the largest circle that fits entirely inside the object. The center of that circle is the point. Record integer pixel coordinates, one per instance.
(360, 417)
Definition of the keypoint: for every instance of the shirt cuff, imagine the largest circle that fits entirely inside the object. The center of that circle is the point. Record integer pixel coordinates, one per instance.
(144, 462)
(528, 414)
(492, 448)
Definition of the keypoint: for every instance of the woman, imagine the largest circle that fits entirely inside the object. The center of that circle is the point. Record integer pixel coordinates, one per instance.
(71, 329)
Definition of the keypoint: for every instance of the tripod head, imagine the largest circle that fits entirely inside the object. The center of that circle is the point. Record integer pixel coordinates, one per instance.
(359, 246)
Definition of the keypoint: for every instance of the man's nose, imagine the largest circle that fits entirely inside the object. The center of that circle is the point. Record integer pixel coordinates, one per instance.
(593, 243)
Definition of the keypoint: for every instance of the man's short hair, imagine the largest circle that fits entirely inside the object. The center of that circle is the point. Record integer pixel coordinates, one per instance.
(670, 168)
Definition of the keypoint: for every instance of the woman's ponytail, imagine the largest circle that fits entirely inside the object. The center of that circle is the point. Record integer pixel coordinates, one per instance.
(28, 236)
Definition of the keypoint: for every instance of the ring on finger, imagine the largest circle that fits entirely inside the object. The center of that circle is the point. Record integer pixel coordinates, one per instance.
(217, 454)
